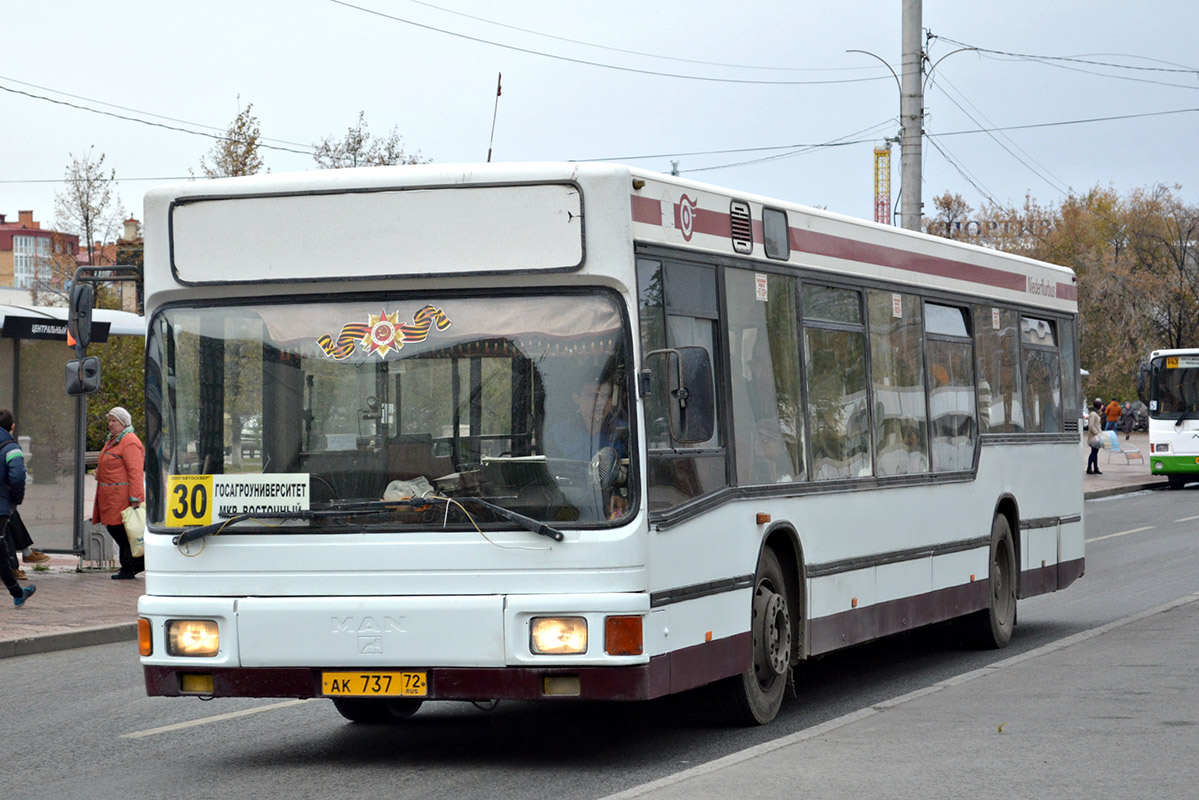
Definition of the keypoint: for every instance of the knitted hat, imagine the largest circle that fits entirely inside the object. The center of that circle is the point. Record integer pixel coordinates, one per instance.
(121, 416)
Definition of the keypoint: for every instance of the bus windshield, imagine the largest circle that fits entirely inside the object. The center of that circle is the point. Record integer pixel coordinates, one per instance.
(519, 401)
(1175, 390)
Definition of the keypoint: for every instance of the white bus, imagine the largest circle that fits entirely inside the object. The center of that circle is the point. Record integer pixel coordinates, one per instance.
(560, 431)
(1169, 385)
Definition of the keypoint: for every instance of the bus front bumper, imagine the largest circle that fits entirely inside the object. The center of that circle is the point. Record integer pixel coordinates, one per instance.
(642, 682)
(1173, 465)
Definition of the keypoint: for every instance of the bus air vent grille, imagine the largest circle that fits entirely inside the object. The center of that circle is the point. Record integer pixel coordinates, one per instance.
(742, 227)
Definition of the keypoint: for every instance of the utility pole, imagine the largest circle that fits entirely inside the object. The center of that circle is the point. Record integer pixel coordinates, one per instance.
(911, 116)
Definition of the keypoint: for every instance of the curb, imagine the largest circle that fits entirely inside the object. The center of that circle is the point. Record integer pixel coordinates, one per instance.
(1112, 491)
(68, 640)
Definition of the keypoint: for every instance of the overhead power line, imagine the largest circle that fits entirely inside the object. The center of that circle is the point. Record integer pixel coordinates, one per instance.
(136, 110)
(1043, 173)
(599, 64)
(1077, 59)
(1070, 122)
(127, 118)
(643, 54)
(1068, 62)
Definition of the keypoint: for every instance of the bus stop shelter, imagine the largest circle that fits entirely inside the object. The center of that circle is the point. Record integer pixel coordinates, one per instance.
(33, 356)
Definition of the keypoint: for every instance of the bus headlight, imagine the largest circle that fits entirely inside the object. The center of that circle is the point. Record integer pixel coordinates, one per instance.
(193, 637)
(558, 635)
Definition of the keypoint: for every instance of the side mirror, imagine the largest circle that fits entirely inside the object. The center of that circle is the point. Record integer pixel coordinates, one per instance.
(1143, 382)
(692, 403)
(83, 376)
(79, 319)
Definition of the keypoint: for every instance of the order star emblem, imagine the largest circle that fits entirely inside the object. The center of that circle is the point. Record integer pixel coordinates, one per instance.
(382, 338)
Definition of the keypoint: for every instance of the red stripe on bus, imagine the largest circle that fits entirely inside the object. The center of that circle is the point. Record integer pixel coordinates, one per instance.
(714, 223)
(647, 210)
(823, 244)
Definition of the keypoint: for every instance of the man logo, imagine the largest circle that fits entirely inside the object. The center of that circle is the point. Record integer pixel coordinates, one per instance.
(367, 625)
(370, 645)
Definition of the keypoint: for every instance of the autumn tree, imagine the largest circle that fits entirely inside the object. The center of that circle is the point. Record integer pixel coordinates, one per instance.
(1136, 264)
(952, 213)
(359, 148)
(87, 207)
(236, 153)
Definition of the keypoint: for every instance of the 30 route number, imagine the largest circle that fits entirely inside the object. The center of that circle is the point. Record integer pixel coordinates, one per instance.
(189, 500)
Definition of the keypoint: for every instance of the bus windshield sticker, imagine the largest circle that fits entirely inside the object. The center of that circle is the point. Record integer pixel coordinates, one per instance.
(204, 499)
(383, 332)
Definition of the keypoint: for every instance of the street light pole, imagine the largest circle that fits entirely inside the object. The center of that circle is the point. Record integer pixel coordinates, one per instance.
(911, 117)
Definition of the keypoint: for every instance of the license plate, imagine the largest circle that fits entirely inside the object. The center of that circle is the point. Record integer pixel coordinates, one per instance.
(374, 684)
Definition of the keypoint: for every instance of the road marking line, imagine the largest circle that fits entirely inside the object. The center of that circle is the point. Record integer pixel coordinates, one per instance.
(1187, 519)
(1121, 533)
(886, 705)
(178, 726)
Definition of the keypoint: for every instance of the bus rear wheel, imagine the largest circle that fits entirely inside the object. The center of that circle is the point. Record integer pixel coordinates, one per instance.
(992, 627)
(755, 696)
(373, 710)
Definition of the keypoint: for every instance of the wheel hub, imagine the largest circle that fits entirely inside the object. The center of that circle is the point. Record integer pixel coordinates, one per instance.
(772, 634)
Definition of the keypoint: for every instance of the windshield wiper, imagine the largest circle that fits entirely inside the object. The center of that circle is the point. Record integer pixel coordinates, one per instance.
(528, 523)
(373, 507)
(1184, 415)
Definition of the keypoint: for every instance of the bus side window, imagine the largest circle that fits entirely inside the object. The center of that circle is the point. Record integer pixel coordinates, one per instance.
(1042, 376)
(764, 384)
(835, 366)
(897, 379)
(997, 342)
(951, 399)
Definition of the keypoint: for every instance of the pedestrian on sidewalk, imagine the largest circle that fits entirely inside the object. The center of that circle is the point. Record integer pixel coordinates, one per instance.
(1112, 412)
(12, 492)
(1094, 430)
(1127, 420)
(119, 485)
(19, 541)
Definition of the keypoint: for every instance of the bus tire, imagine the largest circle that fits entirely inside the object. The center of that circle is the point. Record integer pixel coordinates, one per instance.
(992, 627)
(1176, 481)
(755, 696)
(373, 710)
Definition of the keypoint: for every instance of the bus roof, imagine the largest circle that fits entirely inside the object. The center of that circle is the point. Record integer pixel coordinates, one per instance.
(298, 214)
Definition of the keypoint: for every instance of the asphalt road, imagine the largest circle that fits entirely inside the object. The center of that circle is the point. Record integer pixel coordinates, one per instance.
(78, 724)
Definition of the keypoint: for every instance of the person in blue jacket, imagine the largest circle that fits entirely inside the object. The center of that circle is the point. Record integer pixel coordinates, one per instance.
(12, 492)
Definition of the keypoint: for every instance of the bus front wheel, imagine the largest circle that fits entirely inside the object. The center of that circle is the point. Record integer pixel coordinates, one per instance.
(372, 710)
(993, 625)
(755, 696)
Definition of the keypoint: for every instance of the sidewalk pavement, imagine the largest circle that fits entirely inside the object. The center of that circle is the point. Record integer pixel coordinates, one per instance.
(1109, 712)
(77, 605)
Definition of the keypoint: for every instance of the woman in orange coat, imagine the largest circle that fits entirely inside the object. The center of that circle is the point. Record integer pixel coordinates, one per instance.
(119, 485)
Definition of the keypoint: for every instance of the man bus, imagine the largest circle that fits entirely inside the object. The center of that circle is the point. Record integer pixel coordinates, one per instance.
(816, 431)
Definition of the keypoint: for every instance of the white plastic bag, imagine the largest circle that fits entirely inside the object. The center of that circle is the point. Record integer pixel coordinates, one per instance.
(134, 520)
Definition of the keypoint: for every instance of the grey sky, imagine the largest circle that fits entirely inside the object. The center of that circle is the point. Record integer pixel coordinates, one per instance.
(309, 66)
